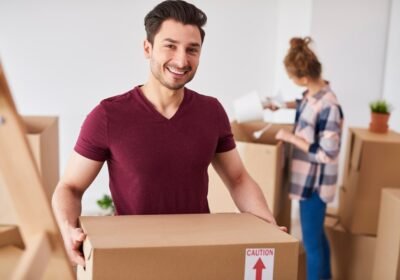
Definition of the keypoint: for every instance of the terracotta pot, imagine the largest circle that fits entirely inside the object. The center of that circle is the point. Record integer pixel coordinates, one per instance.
(379, 123)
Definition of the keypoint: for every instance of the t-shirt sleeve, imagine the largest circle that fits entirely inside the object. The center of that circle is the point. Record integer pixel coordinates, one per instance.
(225, 139)
(92, 142)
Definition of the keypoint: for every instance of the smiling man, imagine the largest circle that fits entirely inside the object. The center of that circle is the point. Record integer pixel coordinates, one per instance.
(159, 138)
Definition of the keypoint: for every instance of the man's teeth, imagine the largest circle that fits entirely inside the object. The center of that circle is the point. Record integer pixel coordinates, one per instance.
(176, 71)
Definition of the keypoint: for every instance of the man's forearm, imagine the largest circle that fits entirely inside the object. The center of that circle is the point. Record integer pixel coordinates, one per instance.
(66, 205)
(249, 198)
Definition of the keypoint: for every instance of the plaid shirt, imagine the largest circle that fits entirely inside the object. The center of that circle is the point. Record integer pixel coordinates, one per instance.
(319, 121)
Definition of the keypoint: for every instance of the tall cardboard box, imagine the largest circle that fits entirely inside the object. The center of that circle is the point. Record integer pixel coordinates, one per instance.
(266, 160)
(372, 162)
(387, 257)
(193, 246)
(42, 134)
(352, 255)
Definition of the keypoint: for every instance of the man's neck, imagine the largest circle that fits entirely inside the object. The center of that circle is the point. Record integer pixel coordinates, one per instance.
(164, 100)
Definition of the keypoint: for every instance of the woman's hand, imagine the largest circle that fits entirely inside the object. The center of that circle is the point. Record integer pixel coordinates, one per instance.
(285, 135)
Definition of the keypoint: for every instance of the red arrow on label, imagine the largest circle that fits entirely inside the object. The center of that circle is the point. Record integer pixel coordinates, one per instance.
(259, 266)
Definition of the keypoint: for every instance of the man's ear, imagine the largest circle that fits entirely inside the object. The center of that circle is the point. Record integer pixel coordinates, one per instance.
(147, 48)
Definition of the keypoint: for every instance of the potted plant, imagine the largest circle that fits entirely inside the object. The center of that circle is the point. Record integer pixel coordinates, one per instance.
(380, 113)
(107, 205)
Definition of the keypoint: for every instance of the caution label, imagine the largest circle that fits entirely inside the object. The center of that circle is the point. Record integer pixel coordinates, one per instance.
(259, 264)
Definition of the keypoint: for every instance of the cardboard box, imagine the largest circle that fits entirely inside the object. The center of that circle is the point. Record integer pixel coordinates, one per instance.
(372, 163)
(42, 134)
(302, 268)
(10, 257)
(10, 236)
(194, 246)
(266, 160)
(352, 255)
(387, 257)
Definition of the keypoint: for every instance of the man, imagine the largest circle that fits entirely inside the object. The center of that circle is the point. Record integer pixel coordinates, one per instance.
(159, 138)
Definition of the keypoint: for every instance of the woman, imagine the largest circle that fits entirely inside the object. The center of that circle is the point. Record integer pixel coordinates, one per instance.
(316, 144)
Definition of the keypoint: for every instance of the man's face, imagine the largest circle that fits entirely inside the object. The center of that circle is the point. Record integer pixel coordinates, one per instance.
(174, 55)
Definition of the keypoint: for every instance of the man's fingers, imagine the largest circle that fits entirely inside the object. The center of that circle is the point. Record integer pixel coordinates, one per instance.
(283, 229)
(77, 258)
(78, 234)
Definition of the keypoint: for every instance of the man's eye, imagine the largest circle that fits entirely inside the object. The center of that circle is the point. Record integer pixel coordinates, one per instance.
(193, 50)
(170, 46)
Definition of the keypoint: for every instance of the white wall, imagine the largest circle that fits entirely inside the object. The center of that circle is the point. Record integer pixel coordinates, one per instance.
(293, 20)
(63, 57)
(391, 90)
(351, 40)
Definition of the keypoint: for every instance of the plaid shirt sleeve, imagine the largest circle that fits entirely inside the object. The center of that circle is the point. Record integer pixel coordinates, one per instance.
(328, 131)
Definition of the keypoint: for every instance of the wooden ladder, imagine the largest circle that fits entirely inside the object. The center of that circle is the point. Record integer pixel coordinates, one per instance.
(43, 243)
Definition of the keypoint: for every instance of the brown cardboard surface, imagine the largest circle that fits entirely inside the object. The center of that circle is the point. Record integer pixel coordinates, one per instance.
(302, 270)
(10, 256)
(42, 134)
(193, 246)
(352, 255)
(387, 257)
(10, 235)
(372, 162)
(264, 159)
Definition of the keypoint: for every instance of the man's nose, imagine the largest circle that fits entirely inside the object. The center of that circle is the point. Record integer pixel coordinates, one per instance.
(180, 58)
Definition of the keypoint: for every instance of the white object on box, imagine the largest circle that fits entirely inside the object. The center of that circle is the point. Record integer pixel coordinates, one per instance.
(248, 107)
(257, 134)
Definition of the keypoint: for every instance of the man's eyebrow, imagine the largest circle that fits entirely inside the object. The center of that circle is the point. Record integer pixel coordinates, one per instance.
(170, 40)
(175, 42)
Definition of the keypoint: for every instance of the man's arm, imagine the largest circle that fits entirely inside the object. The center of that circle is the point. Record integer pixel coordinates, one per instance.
(245, 192)
(79, 174)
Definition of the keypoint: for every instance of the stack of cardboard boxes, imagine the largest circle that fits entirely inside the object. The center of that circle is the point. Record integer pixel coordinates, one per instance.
(266, 160)
(372, 163)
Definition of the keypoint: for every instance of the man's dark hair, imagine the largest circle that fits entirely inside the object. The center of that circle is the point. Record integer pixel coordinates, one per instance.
(178, 10)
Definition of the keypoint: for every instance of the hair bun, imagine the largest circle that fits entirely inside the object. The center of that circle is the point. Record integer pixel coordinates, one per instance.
(298, 42)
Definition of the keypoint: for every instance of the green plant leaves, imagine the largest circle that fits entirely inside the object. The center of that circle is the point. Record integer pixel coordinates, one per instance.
(380, 106)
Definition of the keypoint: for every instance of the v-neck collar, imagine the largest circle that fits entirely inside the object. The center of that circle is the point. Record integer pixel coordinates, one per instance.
(156, 113)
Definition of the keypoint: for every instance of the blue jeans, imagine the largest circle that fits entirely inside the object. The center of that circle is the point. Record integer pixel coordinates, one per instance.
(312, 215)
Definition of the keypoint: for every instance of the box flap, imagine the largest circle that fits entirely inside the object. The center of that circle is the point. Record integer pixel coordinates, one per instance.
(395, 193)
(333, 223)
(244, 131)
(356, 152)
(139, 231)
(366, 135)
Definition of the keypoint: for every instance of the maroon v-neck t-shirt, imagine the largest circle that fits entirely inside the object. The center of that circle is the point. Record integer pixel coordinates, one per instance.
(156, 165)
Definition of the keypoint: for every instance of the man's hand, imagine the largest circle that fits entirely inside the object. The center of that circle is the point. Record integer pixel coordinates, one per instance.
(272, 220)
(73, 239)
